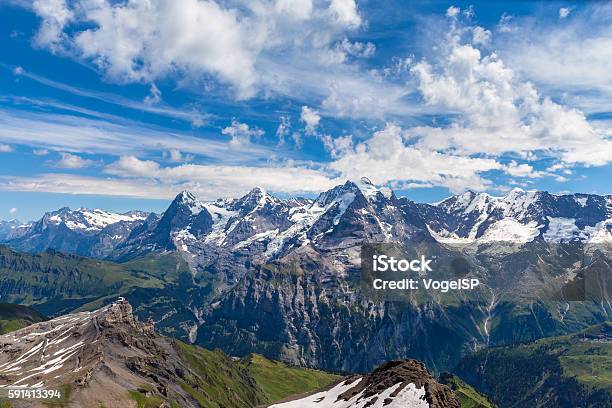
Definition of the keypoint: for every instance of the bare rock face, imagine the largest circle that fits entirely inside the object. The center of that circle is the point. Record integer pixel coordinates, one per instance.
(100, 357)
(395, 384)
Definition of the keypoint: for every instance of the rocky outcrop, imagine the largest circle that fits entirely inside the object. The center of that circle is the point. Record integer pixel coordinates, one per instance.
(109, 358)
(395, 384)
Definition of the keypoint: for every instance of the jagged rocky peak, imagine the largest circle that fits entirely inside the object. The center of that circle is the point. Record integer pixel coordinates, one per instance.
(395, 384)
(101, 356)
(187, 199)
(343, 192)
(256, 199)
(467, 202)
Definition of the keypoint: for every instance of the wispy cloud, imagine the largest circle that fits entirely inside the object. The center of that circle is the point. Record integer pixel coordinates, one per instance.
(132, 177)
(196, 118)
(75, 134)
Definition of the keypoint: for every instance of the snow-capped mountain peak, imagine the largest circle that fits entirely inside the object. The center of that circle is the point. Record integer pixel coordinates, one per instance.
(86, 220)
(371, 191)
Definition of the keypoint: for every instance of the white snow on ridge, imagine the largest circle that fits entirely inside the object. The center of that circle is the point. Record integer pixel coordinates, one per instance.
(408, 397)
(561, 229)
(370, 191)
(582, 201)
(509, 229)
(84, 219)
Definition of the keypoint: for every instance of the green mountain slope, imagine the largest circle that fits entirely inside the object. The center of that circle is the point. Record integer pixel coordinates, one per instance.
(565, 371)
(14, 317)
(253, 378)
(468, 396)
(278, 380)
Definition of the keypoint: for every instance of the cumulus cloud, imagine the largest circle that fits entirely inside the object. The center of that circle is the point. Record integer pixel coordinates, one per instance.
(452, 11)
(241, 134)
(176, 156)
(523, 170)
(356, 48)
(72, 161)
(13, 211)
(564, 12)
(140, 41)
(4, 148)
(497, 112)
(311, 119)
(389, 157)
(55, 16)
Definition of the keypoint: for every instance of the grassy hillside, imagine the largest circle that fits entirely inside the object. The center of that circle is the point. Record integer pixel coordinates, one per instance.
(565, 371)
(468, 396)
(59, 283)
(278, 380)
(14, 317)
(222, 381)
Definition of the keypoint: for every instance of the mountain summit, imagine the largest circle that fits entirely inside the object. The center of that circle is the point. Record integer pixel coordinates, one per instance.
(395, 384)
(109, 358)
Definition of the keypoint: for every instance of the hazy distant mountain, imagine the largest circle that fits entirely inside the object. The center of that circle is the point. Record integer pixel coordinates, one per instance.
(93, 233)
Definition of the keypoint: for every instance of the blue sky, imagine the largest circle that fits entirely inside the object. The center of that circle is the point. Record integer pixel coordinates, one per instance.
(122, 104)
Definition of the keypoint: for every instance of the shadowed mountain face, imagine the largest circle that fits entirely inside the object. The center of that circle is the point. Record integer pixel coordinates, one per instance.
(109, 358)
(13, 317)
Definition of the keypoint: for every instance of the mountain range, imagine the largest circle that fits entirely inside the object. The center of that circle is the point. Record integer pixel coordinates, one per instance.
(267, 226)
(281, 277)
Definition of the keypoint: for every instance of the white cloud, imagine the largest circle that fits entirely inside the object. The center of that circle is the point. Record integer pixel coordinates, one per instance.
(345, 12)
(295, 9)
(569, 59)
(196, 118)
(17, 71)
(311, 119)
(452, 11)
(4, 148)
(140, 41)
(76, 134)
(564, 12)
(284, 129)
(505, 24)
(480, 36)
(337, 146)
(388, 157)
(176, 156)
(523, 170)
(40, 152)
(154, 96)
(356, 49)
(72, 161)
(498, 112)
(131, 166)
(241, 134)
(132, 177)
(55, 15)
(13, 211)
